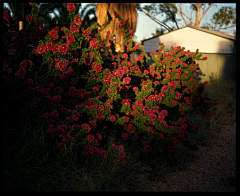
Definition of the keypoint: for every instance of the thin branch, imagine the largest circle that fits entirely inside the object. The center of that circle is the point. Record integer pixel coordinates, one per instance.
(180, 11)
(204, 12)
(190, 19)
(156, 20)
(227, 27)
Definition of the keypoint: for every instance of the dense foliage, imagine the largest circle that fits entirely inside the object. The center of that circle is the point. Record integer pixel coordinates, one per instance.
(95, 97)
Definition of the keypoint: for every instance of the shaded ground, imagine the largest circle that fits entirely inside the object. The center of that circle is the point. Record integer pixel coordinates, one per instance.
(212, 169)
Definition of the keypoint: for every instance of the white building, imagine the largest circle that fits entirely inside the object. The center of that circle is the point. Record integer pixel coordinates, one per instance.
(192, 38)
(218, 47)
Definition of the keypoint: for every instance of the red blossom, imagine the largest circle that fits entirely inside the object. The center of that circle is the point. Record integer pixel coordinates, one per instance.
(78, 20)
(126, 80)
(54, 33)
(87, 127)
(71, 7)
(94, 43)
(57, 98)
(74, 29)
(124, 56)
(116, 14)
(124, 135)
(74, 117)
(112, 118)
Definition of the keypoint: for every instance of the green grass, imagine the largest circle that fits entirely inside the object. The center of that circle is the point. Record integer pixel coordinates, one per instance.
(31, 163)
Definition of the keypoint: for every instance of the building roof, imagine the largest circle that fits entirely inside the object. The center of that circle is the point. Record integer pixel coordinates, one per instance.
(217, 33)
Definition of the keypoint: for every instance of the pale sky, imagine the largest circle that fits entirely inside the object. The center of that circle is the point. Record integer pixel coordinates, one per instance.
(146, 26)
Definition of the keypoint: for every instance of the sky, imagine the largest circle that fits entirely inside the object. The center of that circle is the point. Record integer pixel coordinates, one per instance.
(146, 26)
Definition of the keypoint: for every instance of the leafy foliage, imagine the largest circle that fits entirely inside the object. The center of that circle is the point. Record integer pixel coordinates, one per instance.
(92, 99)
(223, 19)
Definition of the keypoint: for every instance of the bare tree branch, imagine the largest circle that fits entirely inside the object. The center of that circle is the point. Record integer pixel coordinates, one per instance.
(181, 13)
(156, 20)
(204, 12)
(219, 28)
(189, 18)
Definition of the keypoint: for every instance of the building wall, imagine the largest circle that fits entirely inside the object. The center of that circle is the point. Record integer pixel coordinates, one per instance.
(151, 45)
(191, 39)
(217, 65)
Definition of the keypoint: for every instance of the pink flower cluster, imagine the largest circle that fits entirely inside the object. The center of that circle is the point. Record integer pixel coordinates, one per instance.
(78, 20)
(127, 80)
(5, 16)
(54, 33)
(71, 7)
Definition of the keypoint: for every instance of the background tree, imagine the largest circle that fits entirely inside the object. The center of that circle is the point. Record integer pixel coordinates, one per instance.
(19, 12)
(60, 15)
(126, 11)
(165, 9)
(52, 15)
(148, 9)
(172, 10)
(223, 19)
(196, 7)
(158, 32)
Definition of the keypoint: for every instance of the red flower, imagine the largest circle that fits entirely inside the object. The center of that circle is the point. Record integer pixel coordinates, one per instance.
(165, 87)
(94, 43)
(126, 80)
(116, 14)
(54, 33)
(112, 118)
(71, 7)
(168, 70)
(122, 23)
(124, 135)
(178, 95)
(74, 117)
(173, 84)
(135, 88)
(125, 56)
(78, 20)
(165, 112)
(57, 98)
(54, 114)
(87, 127)
(41, 49)
(90, 138)
(146, 71)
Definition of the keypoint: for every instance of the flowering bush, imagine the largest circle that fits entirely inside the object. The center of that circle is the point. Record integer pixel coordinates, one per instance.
(18, 51)
(94, 98)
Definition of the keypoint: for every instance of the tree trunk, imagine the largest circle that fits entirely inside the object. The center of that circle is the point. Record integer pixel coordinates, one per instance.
(126, 11)
(198, 6)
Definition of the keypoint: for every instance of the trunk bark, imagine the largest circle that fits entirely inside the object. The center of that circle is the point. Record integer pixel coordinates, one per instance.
(198, 6)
